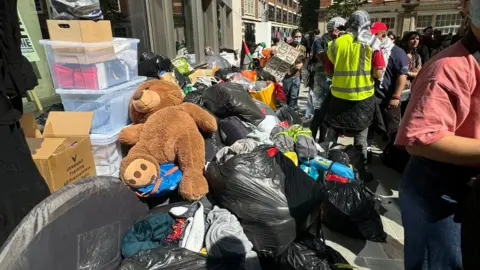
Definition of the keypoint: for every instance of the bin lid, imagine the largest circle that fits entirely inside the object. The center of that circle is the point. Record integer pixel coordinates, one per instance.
(117, 87)
(115, 41)
(105, 138)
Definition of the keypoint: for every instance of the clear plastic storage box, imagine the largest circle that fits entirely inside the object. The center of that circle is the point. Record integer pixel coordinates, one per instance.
(109, 106)
(92, 66)
(107, 153)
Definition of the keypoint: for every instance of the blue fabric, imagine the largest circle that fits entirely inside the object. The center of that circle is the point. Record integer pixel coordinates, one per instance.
(397, 64)
(311, 171)
(168, 184)
(147, 234)
(291, 86)
(432, 238)
(322, 164)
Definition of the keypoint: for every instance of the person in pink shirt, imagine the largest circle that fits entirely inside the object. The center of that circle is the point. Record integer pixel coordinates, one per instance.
(441, 132)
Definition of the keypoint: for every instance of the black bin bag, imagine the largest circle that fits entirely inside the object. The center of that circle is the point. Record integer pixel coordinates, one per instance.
(352, 210)
(287, 114)
(230, 99)
(179, 259)
(310, 253)
(271, 197)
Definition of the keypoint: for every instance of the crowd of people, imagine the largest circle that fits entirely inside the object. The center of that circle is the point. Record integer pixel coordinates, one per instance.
(358, 75)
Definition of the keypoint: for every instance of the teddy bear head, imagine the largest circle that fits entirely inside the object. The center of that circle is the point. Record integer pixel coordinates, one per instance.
(152, 96)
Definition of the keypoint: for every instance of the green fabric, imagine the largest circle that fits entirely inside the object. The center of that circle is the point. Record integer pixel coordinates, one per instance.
(147, 234)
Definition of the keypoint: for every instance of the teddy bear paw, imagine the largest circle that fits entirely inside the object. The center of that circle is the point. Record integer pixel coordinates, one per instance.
(193, 187)
(140, 173)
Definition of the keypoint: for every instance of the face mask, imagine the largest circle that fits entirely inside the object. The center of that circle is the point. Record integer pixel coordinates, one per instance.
(297, 40)
(475, 12)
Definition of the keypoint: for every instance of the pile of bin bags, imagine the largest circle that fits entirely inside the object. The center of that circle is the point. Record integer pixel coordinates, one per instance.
(255, 182)
(346, 200)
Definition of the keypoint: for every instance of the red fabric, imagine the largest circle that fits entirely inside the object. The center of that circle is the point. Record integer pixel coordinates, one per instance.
(280, 93)
(177, 230)
(263, 110)
(378, 62)
(272, 151)
(336, 178)
(445, 99)
(284, 124)
(63, 76)
(86, 78)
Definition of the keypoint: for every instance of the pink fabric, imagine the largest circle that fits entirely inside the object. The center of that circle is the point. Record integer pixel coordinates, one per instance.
(445, 99)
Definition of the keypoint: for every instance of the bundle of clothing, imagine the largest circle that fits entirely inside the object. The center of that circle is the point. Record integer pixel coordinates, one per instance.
(187, 235)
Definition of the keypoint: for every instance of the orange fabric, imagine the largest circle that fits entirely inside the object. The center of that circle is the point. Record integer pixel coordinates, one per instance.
(250, 75)
(268, 54)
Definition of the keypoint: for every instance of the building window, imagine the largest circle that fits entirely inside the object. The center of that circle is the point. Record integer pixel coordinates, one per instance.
(120, 31)
(390, 22)
(249, 7)
(448, 23)
(285, 16)
(294, 19)
(261, 9)
(278, 15)
(285, 2)
(423, 22)
(290, 18)
(38, 6)
(271, 13)
(250, 33)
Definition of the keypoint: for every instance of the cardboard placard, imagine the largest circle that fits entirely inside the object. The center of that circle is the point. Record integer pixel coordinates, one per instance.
(64, 154)
(280, 64)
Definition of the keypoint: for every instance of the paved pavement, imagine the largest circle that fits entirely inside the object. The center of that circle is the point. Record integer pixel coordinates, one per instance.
(367, 254)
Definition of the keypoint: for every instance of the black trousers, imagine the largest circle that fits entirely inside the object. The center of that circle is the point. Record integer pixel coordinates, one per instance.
(21, 185)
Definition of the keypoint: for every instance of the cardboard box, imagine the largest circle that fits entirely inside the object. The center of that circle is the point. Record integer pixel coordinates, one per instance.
(63, 154)
(81, 32)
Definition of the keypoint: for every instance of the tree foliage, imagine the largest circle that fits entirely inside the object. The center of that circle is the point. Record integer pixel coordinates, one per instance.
(344, 8)
(309, 19)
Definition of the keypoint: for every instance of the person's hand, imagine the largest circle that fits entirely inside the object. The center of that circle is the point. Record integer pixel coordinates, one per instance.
(299, 66)
(393, 104)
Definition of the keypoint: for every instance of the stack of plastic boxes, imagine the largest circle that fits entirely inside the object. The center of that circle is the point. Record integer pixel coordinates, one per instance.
(98, 77)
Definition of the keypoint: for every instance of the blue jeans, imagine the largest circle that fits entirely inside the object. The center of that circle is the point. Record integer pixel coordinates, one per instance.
(428, 195)
(291, 86)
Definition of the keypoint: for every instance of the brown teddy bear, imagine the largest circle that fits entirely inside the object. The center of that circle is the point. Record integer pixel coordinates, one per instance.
(165, 130)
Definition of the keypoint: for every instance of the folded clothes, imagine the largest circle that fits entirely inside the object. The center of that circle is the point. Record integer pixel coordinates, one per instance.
(225, 238)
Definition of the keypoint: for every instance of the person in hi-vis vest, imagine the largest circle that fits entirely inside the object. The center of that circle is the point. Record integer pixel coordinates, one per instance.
(354, 60)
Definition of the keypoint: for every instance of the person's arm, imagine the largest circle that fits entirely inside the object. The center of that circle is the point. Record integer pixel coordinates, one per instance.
(418, 65)
(401, 66)
(328, 68)
(450, 149)
(428, 126)
(329, 65)
(378, 64)
(319, 50)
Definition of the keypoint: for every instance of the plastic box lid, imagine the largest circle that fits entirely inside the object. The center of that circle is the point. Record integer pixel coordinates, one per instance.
(106, 138)
(115, 41)
(103, 91)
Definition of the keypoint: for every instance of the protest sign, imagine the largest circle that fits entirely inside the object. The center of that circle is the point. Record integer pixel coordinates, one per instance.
(26, 44)
(280, 64)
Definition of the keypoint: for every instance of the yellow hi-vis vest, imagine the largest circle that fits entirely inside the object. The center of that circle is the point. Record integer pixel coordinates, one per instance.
(352, 75)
